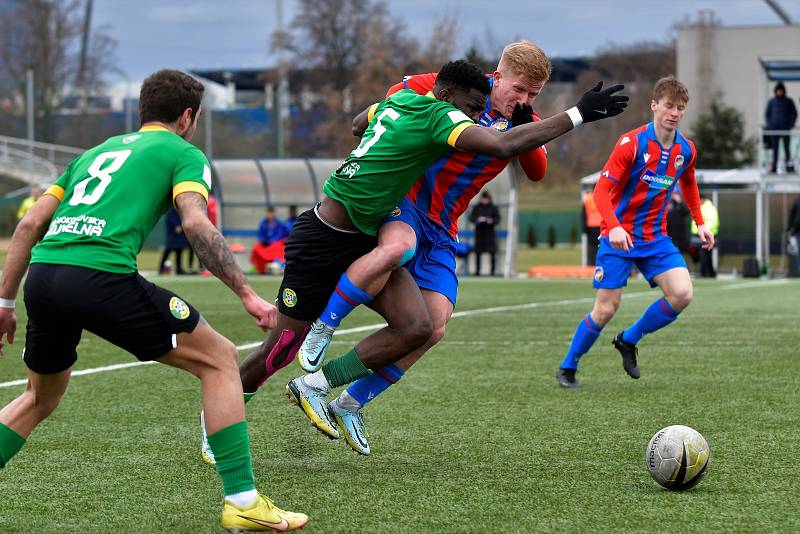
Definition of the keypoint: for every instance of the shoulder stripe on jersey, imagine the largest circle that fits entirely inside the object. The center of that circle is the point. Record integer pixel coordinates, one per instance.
(56, 191)
(189, 187)
(371, 112)
(453, 137)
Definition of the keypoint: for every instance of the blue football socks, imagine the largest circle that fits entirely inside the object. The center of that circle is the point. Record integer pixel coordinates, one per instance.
(585, 335)
(365, 389)
(345, 299)
(658, 315)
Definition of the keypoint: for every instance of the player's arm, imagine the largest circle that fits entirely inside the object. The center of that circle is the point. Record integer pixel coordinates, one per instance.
(28, 232)
(594, 105)
(691, 196)
(534, 162)
(214, 254)
(615, 174)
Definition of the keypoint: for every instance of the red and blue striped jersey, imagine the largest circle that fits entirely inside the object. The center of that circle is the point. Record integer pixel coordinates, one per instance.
(444, 192)
(637, 181)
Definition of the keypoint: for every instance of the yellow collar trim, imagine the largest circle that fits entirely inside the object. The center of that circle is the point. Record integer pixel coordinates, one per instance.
(153, 128)
(430, 94)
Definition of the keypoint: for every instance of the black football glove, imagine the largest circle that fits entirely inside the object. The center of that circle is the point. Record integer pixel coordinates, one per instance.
(596, 104)
(523, 114)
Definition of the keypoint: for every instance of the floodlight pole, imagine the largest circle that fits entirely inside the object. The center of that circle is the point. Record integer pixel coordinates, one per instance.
(29, 107)
(281, 93)
(128, 108)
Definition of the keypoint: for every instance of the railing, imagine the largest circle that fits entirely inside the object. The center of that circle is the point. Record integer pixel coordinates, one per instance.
(22, 165)
(58, 155)
(767, 143)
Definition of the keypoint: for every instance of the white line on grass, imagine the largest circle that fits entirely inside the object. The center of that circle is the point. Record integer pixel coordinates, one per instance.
(367, 328)
(757, 283)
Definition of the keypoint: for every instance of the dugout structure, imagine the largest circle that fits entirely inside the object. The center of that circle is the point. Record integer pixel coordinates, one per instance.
(245, 187)
(753, 207)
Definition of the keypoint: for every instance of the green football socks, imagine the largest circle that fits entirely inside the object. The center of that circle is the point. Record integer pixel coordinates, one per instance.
(248, 396)
(345, 369)
(10, 444)
(231, 448)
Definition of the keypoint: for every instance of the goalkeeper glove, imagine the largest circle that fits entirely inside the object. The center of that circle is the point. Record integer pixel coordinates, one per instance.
(596, 104)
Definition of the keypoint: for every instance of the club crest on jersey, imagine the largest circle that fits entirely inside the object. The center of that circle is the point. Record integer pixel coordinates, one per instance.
(289, 297)
(395, 212)
(500, 124)
(598, 274)
(679, 161)
(178, 308)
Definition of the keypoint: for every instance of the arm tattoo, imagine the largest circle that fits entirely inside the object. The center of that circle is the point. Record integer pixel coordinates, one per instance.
(208, 243)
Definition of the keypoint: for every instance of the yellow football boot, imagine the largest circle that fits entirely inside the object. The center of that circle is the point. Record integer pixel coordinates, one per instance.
(261, 516)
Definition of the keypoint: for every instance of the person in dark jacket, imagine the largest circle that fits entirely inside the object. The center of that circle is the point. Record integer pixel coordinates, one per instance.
(781, 114)
(175, 241)
(678, 222)
(485, 215)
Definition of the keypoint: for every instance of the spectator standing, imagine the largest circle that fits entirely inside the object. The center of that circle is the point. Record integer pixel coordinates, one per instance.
(292, 218)
(711, 217)
(781, 114)
(485, 215)
(591, 219)
(793, 233)
(175, 241)
(36, 192)
(678, 221)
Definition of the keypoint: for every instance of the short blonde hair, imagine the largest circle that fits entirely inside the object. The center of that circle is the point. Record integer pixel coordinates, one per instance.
(526, 59)
(670, 87)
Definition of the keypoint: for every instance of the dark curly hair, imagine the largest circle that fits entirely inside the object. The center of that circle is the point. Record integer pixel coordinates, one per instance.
(166, 94)
(464, 75)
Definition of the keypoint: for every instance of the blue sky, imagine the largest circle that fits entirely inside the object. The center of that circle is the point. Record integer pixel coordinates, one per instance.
(209, 34)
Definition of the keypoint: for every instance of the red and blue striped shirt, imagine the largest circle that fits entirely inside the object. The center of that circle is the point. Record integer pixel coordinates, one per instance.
(444, 192)
(637, 181)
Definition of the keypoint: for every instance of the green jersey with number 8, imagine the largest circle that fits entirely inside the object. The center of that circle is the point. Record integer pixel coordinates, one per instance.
(112, 196)
(408, 132)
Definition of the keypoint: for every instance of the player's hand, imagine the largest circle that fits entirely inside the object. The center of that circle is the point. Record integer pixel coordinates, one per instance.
(706, 237)
(265, 314)
(8, 326)
(620, 239)
(596, 104)
(522, 114)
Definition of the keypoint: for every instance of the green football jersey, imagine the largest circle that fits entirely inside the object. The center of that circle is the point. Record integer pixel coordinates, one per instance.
(408, 132)
(112, 196)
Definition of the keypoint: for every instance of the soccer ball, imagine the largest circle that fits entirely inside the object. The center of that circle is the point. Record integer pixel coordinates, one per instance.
(677, 457)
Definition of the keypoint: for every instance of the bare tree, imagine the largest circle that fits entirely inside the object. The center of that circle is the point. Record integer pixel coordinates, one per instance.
(44, 36)
(585, 150)
(355, 50)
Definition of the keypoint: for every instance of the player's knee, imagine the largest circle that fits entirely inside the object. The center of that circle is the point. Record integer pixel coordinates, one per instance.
(604, 311)
(416, 332)
(681, 298)
(438, 334)
(392, 254)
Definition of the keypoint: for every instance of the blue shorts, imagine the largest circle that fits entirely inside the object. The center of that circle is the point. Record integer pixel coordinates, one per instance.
(613, 267)
(434, 263)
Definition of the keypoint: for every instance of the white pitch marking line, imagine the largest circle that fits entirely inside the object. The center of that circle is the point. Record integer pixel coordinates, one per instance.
(367, 328)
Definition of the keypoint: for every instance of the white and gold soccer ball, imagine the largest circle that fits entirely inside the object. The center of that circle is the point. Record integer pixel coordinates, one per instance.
(677, 457)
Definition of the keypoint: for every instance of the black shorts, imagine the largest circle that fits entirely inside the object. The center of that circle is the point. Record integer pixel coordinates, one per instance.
(316, 257)
(123, 309)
